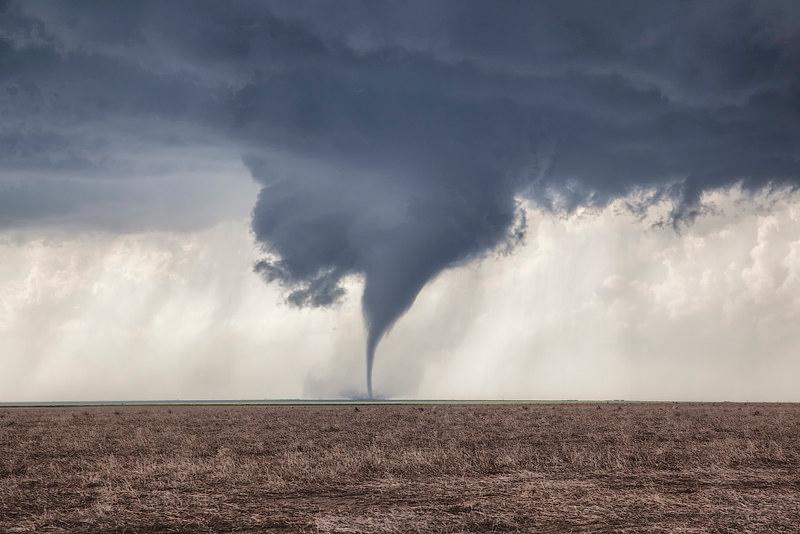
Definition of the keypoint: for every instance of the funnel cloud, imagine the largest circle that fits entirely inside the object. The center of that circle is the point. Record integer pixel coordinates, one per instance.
(391, 141)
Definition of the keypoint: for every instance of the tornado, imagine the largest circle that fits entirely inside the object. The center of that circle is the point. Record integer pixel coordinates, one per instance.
(390, 164)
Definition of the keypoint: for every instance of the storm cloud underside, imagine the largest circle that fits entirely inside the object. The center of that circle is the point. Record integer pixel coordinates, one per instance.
(391, 141)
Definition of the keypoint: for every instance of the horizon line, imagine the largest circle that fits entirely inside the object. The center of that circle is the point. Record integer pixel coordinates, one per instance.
(355, 401)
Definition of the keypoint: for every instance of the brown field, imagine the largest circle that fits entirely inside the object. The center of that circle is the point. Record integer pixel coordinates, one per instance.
(432, 468)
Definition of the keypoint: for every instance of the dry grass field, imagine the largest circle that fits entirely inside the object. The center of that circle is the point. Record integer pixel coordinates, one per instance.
(432, 468)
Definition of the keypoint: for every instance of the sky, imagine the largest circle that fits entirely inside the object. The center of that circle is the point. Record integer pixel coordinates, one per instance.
(405, 199)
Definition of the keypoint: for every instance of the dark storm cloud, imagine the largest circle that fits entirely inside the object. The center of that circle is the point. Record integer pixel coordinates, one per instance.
(392, 139)
(89, 128)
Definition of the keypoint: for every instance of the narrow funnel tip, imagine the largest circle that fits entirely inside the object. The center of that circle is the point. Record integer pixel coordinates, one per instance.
(370, 359)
